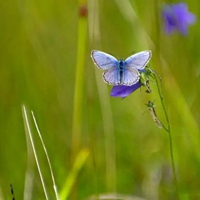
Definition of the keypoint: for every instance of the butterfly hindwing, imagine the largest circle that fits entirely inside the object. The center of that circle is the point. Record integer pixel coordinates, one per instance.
(139, 60)
(130, 76)
(112, 76)
(103, 60)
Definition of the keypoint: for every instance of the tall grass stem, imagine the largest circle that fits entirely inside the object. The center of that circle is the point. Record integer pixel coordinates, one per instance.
(29, 134)
(168, 129)
(79, 83)
(47, 156)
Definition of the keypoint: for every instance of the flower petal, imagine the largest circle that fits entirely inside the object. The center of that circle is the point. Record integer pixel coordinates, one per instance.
(123, 91)
(177, 16)
(184, 17)
(169, 19)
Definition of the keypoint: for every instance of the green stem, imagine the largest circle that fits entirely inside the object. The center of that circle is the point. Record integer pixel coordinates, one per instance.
(168, 129)
(79, 80)
(79, 86)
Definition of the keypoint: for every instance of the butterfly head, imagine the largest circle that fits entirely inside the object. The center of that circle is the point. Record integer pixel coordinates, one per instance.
(121, 63)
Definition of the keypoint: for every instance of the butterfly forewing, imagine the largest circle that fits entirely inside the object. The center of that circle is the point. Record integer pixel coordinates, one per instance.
(103, 60)
(138, 60)
(130, 76)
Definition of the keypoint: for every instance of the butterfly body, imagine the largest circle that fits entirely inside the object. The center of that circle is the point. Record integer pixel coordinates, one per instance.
(121, 69)
(121, 72)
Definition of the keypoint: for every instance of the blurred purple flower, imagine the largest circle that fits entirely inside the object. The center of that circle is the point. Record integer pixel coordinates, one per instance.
(177, 17)
(123, 91)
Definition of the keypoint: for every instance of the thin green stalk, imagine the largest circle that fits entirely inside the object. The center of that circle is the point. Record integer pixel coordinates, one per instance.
(79, 79)
(108, 127)
(71, 179)
(168, 129)
(160, 92)
(79, 84)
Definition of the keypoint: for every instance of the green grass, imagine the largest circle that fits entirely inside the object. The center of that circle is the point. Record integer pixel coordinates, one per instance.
(45, 64)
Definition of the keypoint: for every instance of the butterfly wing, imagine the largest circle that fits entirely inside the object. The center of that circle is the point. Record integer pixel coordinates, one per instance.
(138, 60)
(103, 60)
(115, 76)
(130, 76)
(112, 76)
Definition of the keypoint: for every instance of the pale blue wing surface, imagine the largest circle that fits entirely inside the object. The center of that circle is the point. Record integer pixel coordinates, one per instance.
(103, 60)
(130, 76)
(112, 76)
(138, 60)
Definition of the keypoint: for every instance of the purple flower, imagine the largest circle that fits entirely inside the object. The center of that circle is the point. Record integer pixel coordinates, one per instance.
(177, 17)
(123, 91)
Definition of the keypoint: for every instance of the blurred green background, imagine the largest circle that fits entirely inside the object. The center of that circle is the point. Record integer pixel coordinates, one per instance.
(45, 64)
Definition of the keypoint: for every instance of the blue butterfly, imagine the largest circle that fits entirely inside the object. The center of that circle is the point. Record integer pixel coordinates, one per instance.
(121, 72)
